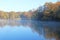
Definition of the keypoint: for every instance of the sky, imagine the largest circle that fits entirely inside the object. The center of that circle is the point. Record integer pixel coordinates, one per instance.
(21, 5)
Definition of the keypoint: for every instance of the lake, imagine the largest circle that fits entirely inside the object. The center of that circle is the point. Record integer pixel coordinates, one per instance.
(28, 30)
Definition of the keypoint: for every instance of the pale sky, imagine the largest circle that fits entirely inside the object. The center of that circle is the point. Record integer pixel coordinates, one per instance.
(21, 5)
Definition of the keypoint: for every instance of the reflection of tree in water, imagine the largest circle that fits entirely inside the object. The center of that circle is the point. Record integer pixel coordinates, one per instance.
(3, 23)
(36, 26)
(50, 29)
(14, 22)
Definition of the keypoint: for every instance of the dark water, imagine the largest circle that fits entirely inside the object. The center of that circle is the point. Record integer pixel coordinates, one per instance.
(28, 30)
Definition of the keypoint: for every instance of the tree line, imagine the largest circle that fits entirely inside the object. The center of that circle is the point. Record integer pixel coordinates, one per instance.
(48, 12)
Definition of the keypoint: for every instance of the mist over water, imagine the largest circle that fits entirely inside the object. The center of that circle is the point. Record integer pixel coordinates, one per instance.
(29, 30)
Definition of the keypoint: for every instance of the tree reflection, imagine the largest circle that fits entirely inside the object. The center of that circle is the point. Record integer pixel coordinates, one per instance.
(48, 29)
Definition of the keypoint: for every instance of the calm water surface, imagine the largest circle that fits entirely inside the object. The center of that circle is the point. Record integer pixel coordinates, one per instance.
(27, 30)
